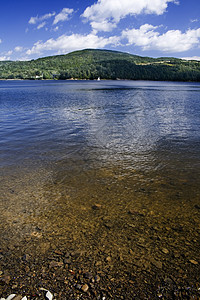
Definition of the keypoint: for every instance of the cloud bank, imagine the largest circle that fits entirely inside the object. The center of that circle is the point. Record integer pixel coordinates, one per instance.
(105, 14)
(67, 43)
(148, 38)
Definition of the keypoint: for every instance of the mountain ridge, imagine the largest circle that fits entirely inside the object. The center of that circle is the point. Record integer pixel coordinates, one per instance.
(106, 64)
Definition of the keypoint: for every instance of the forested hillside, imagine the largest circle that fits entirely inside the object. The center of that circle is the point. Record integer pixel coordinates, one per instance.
(91, 64)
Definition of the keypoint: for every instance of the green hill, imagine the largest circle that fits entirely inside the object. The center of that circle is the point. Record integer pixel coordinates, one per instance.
(106, 64)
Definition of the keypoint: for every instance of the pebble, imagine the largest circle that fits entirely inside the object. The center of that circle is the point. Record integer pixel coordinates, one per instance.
(194, 262)
(54, 264)
(26, 257)
(18, 297)
(14, 286)
(97, 278)
(164, 250)
(67, 261)
(157, 264)
(96, 206)
(85, 288)
(131, 252)
(78, 286)
(6, 279)
(88, 275)
(58, 252)
(197, 206)
(36, 234)
(108, 259)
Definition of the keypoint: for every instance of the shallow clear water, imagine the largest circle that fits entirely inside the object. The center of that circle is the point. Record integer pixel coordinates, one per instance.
(102, 165)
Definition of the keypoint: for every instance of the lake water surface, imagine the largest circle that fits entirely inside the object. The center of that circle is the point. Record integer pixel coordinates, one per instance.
(111, 168)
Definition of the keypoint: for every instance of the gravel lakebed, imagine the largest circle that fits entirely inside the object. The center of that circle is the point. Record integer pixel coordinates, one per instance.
(103, 234)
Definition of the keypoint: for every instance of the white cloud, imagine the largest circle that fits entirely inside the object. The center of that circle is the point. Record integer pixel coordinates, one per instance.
(35, 20)
(6, 55)
(194, 20)
(2, 58)
(0, 41)
(191, 58)
(56, 28)
(65, 44)
(41, 25)
(172, 41)
(112, 11)
(103, 26)
(9, 52)
(63, 15)
(23, 58)
(18, 49)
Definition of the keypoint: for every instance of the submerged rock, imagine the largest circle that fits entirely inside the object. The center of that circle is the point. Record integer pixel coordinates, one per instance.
(85, 288)
(96, 206)
(164, 250)
(194, 262)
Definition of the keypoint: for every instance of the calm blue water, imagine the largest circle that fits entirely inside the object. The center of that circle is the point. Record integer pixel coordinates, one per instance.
(142, 125)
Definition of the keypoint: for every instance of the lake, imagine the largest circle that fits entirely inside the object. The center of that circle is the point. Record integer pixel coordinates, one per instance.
(106, 169)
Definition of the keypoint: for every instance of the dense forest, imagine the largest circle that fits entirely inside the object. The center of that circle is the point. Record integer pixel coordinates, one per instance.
(106, 64)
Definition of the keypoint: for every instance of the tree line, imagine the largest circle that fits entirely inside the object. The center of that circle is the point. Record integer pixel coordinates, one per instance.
(91, 64)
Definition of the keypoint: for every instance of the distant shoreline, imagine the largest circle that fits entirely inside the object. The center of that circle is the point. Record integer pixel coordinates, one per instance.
(60, 80)
(92, 64)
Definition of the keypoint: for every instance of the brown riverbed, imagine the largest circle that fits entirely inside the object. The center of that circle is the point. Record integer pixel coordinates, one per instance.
(100, 233)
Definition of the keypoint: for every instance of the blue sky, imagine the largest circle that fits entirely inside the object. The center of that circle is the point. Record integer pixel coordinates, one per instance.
(33, 29)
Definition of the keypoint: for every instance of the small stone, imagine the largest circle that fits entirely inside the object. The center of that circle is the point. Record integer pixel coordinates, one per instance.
(88, 275)
(76, 254)
(67, 254)
(18, 297)
(92, 286)
(164, 250)
(36, 234)
(6, 279)
(97, 278)
(54, 264)
(67, 261)
(157, 264)
(78, 286)
(26, 257)
(96, 206)
(66, 282)
(44, 247)
(108, 259)
(58, 252)
(194, 262)
(85, 288)
(131, 252)
(176, 255)
(197, 206)
(27, 269)
(14, 286)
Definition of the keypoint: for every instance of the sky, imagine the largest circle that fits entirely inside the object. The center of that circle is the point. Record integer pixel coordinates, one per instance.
(155, 28)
